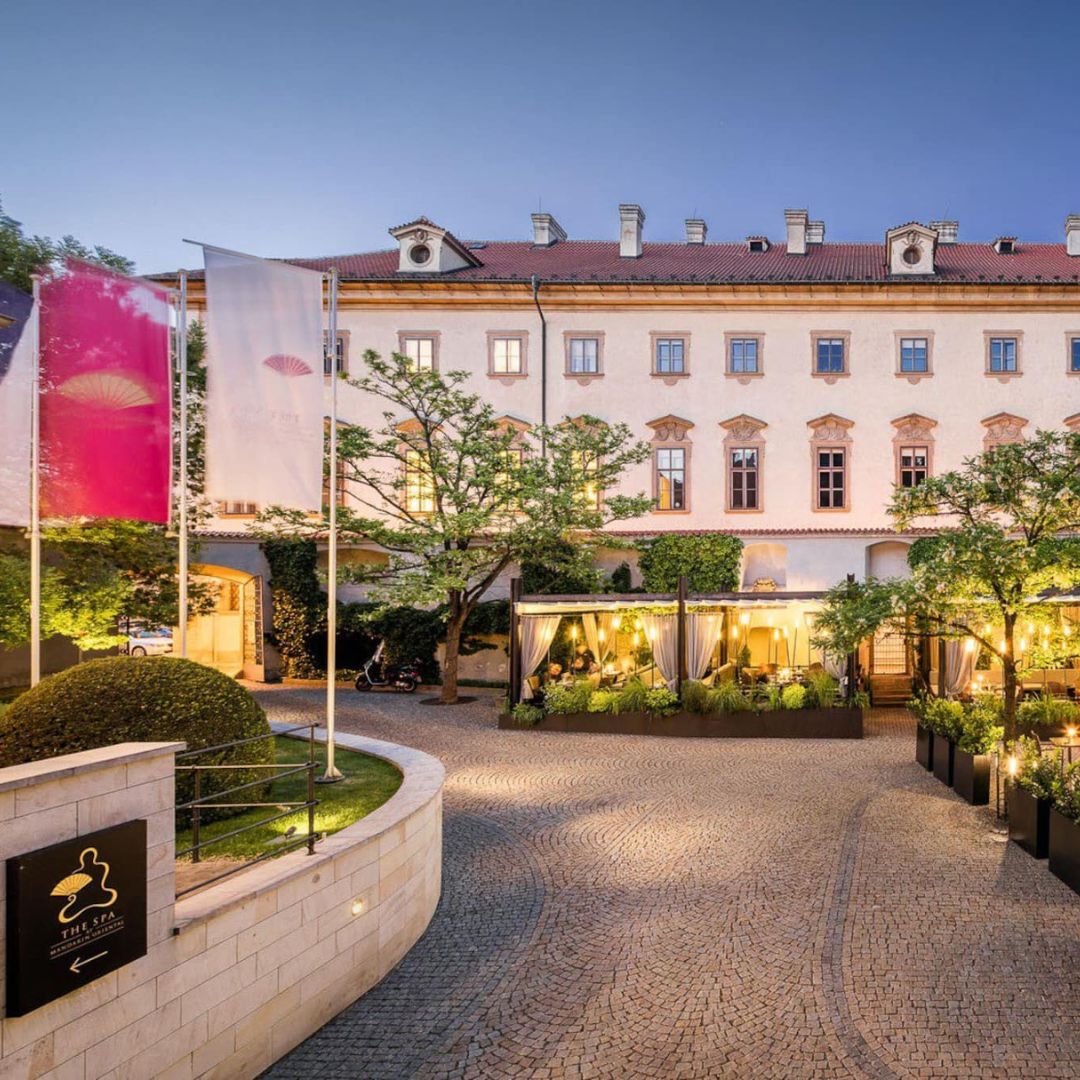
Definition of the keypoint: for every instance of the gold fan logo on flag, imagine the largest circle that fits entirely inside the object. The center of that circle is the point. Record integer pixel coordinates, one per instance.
(291, 367)
(106, 390)
(85, 887)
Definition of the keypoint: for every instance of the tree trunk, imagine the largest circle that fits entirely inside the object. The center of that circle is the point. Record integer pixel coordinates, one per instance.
(454, 626)
(1009, 681)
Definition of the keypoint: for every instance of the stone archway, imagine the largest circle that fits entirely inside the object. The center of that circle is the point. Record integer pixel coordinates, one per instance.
(230, 636)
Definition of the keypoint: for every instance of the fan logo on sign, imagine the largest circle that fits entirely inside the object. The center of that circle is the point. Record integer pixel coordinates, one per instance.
(291, 367)
(85, 889)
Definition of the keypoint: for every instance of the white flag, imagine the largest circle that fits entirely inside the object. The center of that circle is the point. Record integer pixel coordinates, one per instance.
(16, 387)
(264, 385)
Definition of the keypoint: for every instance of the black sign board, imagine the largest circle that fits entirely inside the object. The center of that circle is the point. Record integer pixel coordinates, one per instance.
(75, 911)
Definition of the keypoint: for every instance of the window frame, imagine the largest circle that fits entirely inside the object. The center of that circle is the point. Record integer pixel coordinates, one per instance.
(989, 337)
(343, 343)
(418, 471)
(656, 337)
(658, 472)
(832, 448)
(742, 470)
(744, 432)
(901, 468)
(829, 434)
(1072, 352)
(900, 336)
(405, 336)
(844, 337)
(732, 336)
(569, 337)
(522, 338)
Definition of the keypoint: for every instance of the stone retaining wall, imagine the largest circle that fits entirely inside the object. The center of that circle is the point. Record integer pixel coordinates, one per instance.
(239, 973)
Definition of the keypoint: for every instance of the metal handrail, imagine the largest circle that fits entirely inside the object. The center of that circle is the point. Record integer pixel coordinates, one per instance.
(211, 802)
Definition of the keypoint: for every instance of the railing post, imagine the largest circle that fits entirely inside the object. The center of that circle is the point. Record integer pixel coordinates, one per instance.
(680, 644)
(311, 791)
(195, 855)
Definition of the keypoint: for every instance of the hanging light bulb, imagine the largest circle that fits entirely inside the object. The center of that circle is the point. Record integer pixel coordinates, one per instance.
(573, 631)
(1012, 766)
(969, 645)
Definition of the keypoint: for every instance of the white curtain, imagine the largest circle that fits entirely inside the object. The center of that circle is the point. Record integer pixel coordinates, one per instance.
(662, 632)
(701, 634)
(959, 666)
(592, 625)
(836, 666)
(537, 634)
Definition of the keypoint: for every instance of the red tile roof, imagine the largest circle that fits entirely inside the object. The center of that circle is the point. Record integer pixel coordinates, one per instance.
(587, 261)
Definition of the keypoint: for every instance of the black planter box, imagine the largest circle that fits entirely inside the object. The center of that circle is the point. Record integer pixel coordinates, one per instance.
(1029, 822)
(942, 757)
(774, 724)
(1065, 849)
(971, 776)
(924, 747)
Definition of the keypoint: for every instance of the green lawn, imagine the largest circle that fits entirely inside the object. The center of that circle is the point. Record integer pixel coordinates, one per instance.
(368, 783)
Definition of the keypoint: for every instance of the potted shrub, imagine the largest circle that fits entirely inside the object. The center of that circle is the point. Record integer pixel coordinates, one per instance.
(1064, 850)
(1030, 797)
(980, 733)
(945, 719)
(924, 737)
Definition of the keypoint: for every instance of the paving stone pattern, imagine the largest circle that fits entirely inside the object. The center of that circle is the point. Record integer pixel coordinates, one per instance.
(630, 907)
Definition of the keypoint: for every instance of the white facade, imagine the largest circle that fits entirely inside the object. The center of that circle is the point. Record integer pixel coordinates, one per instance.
(787, 409)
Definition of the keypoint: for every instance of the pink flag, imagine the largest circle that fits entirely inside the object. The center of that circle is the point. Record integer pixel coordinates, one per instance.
(106, 400)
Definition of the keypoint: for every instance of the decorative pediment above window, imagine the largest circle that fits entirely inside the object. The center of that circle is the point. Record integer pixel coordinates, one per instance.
(914, 426)
(670, 428)
(515, 424)
(1003, 428)
(1073, 422)
(743, 428)
(910, 248)
(830, 428)
(412, 426)
(427, 248)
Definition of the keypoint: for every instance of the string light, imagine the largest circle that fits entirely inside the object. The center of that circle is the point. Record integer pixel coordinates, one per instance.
(969, 645)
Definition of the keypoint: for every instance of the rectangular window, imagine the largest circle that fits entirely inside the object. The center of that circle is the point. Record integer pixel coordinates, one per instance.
(831, 478)
(1074, 355)
(830, 356)
(670, 356)
(584, 353)
(506, 356)
(1003, 354)
(421, 352)
(236, 509)
(339, 357)
(743, 479)
(671, 479)
(913, 465)
(588, 492)
(744, 356)
(419, 487)
(914, 354)
(340, 487)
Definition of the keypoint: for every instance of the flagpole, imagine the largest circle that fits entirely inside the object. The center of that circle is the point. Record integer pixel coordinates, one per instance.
(332, 773)
(35, 490)
(182, 561)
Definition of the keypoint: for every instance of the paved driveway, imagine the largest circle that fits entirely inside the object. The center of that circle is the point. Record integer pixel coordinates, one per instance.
(632, 907)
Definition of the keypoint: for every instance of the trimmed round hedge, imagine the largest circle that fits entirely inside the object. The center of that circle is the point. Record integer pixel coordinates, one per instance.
(143, 699)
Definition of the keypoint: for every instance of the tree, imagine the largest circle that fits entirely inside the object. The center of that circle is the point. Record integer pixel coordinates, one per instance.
(22, 256)
(1009, 522)
(709, 562)
(455, 496)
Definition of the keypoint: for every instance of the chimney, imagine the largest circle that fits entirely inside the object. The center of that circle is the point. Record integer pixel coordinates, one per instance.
(815, 232)
(947, 231)
(1072, 234)
(696, 230)
(631, 219)
(796, 221)
(546, 230)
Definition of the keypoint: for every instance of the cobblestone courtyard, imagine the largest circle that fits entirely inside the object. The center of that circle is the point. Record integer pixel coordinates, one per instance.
(630, 907)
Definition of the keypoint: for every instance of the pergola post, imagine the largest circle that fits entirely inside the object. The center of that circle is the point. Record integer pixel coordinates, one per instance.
(515, 642)
(941, 667)
(681, 635)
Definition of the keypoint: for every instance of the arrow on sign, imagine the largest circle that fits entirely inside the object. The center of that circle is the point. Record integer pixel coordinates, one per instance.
(79, 962)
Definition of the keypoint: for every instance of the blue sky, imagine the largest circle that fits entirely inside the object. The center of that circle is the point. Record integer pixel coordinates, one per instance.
(304, 129)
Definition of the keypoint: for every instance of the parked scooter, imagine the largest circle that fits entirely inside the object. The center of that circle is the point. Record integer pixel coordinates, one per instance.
(403, 678)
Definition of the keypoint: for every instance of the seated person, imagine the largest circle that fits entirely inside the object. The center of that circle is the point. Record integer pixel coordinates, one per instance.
(553, 672)
(584, 662)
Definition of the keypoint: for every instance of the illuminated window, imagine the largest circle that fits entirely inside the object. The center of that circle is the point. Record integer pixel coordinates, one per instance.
(671, 478)
(506, 356)
(420, 351)
(419, 485)
(586, 465)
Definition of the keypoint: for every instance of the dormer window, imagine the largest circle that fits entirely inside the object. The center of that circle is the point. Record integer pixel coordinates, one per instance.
(420, 254)
(424, 247)
(912, 255)
(1005, 245)
(757, 244)
(910, 249)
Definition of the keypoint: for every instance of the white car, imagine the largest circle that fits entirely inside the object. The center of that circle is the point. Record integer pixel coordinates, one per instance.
(149, 642)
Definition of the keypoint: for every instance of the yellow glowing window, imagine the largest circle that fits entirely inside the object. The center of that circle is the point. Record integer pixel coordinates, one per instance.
(589, 492)
(419, 486)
